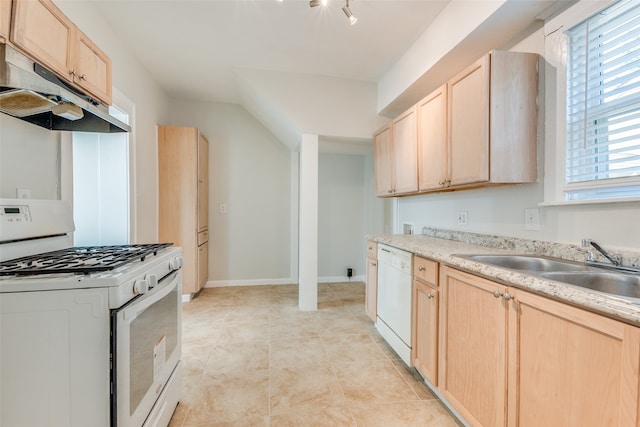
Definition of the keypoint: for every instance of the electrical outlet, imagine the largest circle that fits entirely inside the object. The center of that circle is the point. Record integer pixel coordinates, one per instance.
(461, 218)
(531, 219)
(23, 193)
(223, 208)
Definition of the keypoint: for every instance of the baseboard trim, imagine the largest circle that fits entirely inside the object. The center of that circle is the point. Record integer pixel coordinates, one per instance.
(249, 282)
(281, 281)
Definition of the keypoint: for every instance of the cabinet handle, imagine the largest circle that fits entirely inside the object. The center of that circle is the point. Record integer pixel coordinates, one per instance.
(448, 181)
(429, 295)
(507, 296)
(83, 77)
(420, 268)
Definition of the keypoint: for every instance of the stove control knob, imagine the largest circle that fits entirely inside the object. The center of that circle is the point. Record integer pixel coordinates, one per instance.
(140, 287)
(176, 263)
(152, 279)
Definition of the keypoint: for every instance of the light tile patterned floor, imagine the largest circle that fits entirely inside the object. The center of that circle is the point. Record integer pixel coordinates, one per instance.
(252, 358)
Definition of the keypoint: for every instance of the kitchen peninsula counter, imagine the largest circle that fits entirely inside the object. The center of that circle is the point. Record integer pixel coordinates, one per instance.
(443, 246)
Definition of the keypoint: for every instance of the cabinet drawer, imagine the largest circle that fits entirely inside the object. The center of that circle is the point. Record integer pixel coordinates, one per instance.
(425, 270)
(203, 237)
(372, 250)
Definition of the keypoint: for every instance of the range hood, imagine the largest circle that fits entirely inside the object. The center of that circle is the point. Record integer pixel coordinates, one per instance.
(32, 93)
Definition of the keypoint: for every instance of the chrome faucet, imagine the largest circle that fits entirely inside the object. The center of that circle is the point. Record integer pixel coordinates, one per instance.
(615, 259)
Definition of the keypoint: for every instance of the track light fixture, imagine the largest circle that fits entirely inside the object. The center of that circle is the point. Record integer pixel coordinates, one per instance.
(352, 19)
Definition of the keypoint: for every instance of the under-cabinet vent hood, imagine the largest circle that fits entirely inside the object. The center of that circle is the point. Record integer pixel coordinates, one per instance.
(32, 93)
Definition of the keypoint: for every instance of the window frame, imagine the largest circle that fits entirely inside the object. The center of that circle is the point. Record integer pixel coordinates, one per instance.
(556, 46)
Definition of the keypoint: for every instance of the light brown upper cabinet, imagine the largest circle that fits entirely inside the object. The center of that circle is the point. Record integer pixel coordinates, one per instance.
(5, 19)
(44, 33)
(492, 121)
(395, 156)
(93, 68)
(480, 128)
(433, 154)
(383, 161)
(405, 150)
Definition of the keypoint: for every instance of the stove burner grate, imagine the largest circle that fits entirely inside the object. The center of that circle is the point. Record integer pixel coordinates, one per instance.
(82, 259)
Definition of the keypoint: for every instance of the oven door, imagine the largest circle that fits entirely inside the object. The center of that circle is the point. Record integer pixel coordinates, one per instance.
(146, 348)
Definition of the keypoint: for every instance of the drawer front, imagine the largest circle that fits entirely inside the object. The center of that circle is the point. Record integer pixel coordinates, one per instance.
(203, 237)
(372, 249)
(425, 270)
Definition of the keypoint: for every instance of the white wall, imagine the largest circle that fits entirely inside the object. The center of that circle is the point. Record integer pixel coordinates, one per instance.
(250, 172)
(151, 107)
(29, 159)
(341, 210)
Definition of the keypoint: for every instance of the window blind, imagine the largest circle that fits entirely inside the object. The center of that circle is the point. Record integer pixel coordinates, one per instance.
(603, 103)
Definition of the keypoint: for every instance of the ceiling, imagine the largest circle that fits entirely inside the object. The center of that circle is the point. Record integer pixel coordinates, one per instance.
(194, 48)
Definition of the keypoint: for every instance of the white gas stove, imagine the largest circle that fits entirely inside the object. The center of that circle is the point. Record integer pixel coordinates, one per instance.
(89, 335)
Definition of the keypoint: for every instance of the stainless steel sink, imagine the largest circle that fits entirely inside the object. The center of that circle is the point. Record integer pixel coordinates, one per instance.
(625, 285)
(574, 273)
(532, 263)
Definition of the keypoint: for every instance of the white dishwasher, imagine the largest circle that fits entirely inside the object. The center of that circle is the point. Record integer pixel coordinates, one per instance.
(394, 299)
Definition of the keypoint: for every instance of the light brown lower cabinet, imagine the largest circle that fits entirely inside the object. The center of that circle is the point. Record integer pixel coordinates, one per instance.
(512, 358)
(473, 348)
(371, 281)
(425, 331)
(570, 367)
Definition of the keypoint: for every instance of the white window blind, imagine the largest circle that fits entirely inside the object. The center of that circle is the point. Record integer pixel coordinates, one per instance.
(603, 104)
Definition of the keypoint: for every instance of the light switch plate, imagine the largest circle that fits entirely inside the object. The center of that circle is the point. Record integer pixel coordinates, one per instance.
(461, 218)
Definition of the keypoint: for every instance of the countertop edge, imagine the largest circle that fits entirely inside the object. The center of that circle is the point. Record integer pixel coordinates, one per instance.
(444, 251)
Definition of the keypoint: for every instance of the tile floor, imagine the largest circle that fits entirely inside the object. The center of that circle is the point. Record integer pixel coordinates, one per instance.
(251, 358)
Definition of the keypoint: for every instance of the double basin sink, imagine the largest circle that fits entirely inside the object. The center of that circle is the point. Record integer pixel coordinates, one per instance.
(599, 279)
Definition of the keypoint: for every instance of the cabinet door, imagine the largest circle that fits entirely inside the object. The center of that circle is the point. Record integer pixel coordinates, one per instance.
(177, 197)
(42, 31)
(371, 291)
(5, 19)
(432, 141)
(571, 367)
(92, 68)
(383, 161)
(425, 331)
(473, 333)
(203, 264)
(468, 104)
(405, 151)
(203, 183)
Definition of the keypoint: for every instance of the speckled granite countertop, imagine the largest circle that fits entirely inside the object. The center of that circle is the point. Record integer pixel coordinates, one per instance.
(443, 250)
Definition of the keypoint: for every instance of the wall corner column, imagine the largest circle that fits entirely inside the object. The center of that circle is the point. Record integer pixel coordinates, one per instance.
(308, 231)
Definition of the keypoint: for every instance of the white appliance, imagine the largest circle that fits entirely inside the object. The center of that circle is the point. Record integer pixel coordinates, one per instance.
(394, 299)
(89, 336)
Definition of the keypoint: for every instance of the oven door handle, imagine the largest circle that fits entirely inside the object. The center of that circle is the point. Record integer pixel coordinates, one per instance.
(158, 292)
